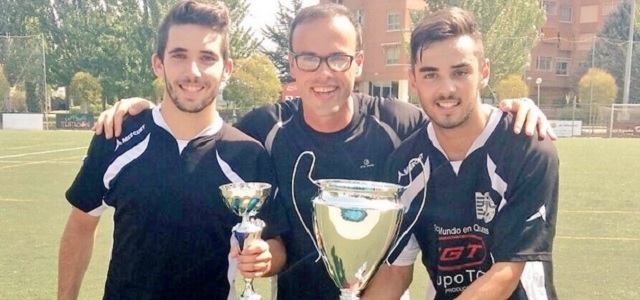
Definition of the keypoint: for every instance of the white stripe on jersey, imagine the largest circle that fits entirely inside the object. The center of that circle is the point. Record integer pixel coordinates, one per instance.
(123, 160)
(393, 135)
(533, 280)
(431, 290)
(409, 253)
(98, 211)
(226, 169)
(497, 183)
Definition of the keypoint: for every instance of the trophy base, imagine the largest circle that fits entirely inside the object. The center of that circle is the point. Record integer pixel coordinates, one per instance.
(346, 294)
(250, 295)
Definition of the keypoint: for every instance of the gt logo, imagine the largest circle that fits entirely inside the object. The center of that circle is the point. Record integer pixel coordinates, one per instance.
(459, 252)
(455, 253)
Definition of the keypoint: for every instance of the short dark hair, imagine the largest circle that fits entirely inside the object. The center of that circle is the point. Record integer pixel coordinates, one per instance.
(213, 14)
(444, 24)
(321, 11)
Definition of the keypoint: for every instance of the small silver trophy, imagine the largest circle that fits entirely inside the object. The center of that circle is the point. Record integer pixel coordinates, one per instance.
(245, 200)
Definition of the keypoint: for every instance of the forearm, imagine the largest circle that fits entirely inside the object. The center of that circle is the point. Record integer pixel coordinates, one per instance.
(278, 256)
(390, 282)
(76, 248)
(498, 283)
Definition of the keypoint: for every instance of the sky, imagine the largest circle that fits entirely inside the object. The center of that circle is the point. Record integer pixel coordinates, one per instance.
(263, 12)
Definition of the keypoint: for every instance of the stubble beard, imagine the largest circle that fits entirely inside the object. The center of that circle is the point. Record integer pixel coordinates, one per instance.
(204, 103)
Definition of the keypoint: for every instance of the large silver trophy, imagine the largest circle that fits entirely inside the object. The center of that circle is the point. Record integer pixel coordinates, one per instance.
(245, 200)
(355, 223)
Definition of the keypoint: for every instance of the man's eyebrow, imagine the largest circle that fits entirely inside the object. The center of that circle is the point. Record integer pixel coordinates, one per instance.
(427, 69)
(178, 49)
(209, 53)
(460, 65)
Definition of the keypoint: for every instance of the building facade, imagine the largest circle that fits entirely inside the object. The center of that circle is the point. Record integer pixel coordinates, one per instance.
(565, 40)
(386, 30)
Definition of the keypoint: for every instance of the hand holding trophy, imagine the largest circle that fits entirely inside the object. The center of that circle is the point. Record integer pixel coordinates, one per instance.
(245, 200)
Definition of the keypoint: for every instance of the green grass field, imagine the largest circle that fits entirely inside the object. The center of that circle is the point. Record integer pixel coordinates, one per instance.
(597, 241)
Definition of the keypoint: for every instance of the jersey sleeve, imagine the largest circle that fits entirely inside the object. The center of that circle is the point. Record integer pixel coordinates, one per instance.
(88, 190)
(272, 213)
(404, 169)
(525, 225)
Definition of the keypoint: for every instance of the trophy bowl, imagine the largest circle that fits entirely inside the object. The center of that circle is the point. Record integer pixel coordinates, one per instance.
(355, 223)
(245, 200)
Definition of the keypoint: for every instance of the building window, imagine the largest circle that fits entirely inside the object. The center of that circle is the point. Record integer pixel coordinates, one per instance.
(549, 7)
(387, 89)
(393, 20)
(360, 16)
(393, 54)
(562, 66)
(543, 63)
(564, 14)
(337, 1)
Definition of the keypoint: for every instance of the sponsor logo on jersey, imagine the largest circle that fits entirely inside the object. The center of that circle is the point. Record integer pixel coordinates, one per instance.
(458, 252)
(367, 164)
(412, 164)
(122, 141)
(485, 208)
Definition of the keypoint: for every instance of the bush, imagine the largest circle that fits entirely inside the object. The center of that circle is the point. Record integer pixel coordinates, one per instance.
(86, 90)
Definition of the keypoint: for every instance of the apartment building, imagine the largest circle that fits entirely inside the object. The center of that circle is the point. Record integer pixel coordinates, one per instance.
(565, 40)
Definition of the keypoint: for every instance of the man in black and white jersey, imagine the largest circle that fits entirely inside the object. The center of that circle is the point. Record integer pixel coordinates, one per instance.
(350, 134)
(172, 230)
(487, 229)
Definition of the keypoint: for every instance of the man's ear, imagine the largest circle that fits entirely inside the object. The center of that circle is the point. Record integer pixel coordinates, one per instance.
(412, 81)
(292, 67)
(486, 73)
(228, 69)
(158, 66)
(359, 61)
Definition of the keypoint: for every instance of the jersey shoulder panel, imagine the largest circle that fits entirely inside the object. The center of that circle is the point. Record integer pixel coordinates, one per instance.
(259, 122)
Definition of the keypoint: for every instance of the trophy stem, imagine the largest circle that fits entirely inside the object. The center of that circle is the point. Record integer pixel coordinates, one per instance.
(346, 294)
(249, 293)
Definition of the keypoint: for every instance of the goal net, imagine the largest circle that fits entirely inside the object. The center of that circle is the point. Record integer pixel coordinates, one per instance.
(22, 75)
(623, 120)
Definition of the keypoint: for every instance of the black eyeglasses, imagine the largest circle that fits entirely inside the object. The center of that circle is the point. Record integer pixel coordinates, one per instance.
(335, 62)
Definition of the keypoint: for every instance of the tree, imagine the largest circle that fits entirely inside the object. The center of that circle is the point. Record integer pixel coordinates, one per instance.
(242, 41)
(512, 87)
(86, 89)
(253, 83)
(510, 30)
(5, 88)
(611, 48)
(597, 86)
(158, 90)
(278, 33)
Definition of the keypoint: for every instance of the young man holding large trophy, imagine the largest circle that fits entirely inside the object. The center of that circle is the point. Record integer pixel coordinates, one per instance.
(173, 230)
(487, 229)
(351, 135)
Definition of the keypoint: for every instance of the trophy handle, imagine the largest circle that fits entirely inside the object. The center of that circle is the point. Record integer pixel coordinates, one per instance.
(293, 196)
(424, 201)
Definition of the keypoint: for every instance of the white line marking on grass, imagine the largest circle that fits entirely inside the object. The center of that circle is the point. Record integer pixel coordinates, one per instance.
(597, 238)
(621, 212)
(57, 160)
(14, 200)
(42, 152)
(38, 161)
